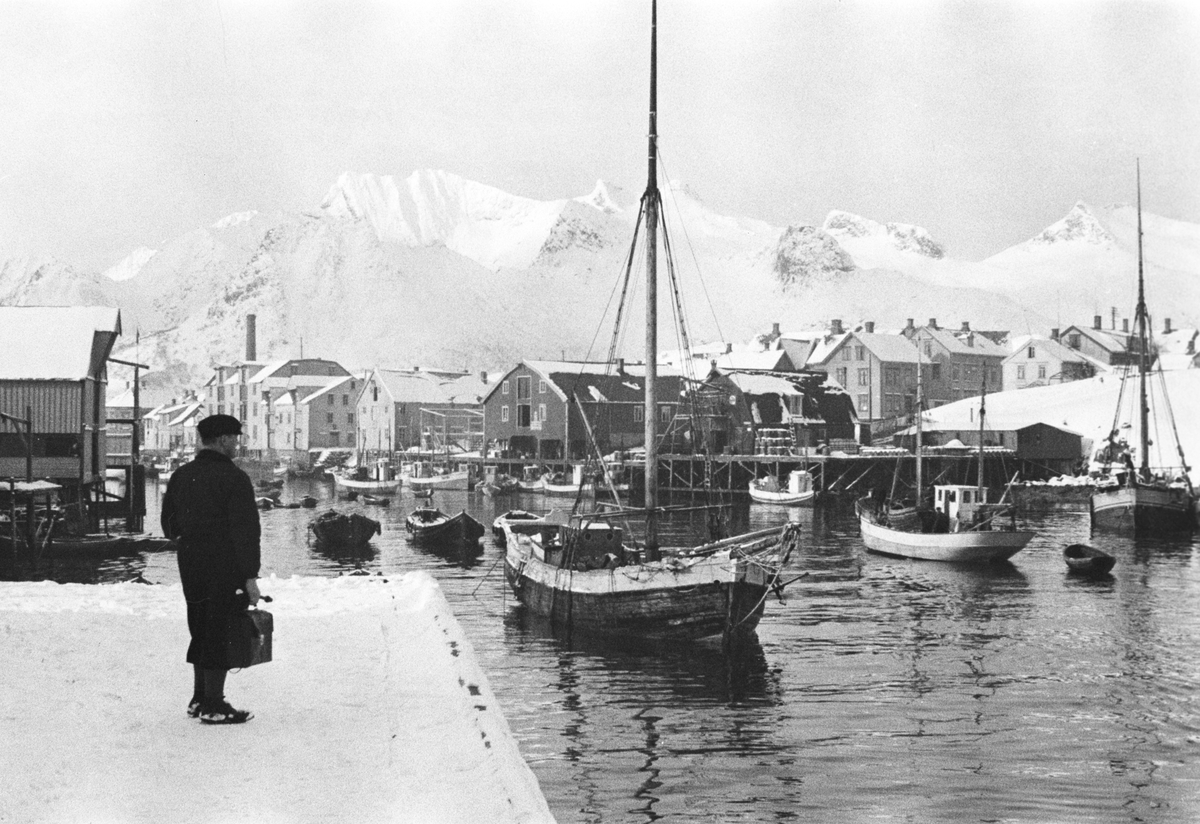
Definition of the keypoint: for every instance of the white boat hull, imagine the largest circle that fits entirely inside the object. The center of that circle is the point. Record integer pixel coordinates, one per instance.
(1145, 508)
(366, 486)
(763, 496)
(982, 547)
(455, 480)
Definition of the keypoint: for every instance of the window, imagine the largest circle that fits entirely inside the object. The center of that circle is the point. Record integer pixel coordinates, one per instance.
(374, 393)
(504, 388)
(220, 393)
(541, 388)
(664, 414)
(864, 377)
(541, 411)
(1041, 370)
(862, 403)
(1074, 340)
(345, 400)
(349, 419)
(254, 432)
(840, 374)
(639, 413)
(860, 353)
(928, 349)
(504, 413)
(935, 371)
(330, 399)
(954, 373)
(846, 353)
(524, 408)
(1020, 373)
(328, 417)
(1032, 353)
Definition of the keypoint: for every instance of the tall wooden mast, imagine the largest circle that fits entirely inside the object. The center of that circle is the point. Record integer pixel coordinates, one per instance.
(651, 201)
(1143, 355)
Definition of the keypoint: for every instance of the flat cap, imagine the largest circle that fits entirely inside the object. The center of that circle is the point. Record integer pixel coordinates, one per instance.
(214, 426)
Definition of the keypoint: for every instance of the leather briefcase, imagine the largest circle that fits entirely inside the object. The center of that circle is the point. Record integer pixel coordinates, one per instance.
(249, 641)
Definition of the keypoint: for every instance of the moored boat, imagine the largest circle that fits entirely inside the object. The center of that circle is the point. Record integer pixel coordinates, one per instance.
(338, 528)
(588, 576)
(429, 525)
(1087, 560)
(522, 522)
(799, 490)
(1135, 490)
(426, 477)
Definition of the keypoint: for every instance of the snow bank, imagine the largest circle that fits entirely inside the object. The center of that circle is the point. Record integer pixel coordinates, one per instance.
(374, 709)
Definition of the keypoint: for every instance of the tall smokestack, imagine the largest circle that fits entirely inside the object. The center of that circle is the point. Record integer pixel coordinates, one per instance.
(251, 347)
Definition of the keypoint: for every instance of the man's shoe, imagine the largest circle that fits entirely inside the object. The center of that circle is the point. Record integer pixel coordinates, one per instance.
(193, 709)
(219, 712)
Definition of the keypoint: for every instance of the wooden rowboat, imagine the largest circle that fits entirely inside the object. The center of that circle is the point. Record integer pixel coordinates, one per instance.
(1088, 560)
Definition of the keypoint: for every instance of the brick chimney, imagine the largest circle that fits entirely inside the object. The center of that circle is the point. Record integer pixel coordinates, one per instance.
(870, 327)
(835, 326)
(620, 366)
(483, 376)
(933, 323)
(251, 343)
(775, 329)
(1096, 321)
(1114, 318)
(966, 326)
(1166, 326)
(1124, 324)
(1053, 334)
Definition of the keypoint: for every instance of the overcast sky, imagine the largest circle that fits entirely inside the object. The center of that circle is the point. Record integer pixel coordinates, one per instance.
(128, 124)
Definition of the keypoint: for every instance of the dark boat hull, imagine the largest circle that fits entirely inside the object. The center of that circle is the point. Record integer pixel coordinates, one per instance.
(454, 529)
(344, 530)
(1087, 560)
(1143, 509)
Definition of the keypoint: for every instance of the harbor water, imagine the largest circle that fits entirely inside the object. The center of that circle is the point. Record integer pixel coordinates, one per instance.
(878, 690)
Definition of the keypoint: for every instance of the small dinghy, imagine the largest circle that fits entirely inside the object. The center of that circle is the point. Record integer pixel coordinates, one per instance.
(335, 528)
(428, 525)
(375, 500)
(1087, 560)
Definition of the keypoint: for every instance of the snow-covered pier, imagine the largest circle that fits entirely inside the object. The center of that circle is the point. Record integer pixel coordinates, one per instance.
(374, 709)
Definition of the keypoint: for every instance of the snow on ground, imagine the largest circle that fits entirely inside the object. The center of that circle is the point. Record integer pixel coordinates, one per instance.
(374, 709)
(1087, 407)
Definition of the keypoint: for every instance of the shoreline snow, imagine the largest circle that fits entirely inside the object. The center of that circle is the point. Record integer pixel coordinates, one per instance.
(373, 709)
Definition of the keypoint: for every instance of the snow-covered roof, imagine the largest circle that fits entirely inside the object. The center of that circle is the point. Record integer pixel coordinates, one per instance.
(189, 411)
(825, 346)
(267, 371)
(52, 342)
(1043, 347)
(964, 343)
(1111, 340)
(329, 387)
(405, 386)
(770, 360)
(588, 378)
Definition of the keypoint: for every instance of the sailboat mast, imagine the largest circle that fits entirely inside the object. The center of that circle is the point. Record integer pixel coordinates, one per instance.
(982, 413)
(651, 204)
(1143, 366)
(920, 404)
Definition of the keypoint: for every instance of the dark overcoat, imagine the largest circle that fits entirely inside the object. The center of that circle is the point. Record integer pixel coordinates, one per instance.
(209, 510)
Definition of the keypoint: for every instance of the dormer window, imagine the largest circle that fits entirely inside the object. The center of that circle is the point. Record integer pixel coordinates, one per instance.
(1032, 352)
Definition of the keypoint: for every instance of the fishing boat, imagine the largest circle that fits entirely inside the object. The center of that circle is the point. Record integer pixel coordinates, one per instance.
(1136, 490)
(1087, 560)
(593, 576)
(523, 522)
(340, 529)
(531, 480)
(427, 477)
(370, 480)
(962, 527)
(799, 490)
(566, 485)
(429, 525)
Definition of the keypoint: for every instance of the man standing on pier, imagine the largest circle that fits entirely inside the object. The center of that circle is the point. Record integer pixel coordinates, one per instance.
(209, 510)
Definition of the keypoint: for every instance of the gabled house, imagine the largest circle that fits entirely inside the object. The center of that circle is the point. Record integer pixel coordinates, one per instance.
(1111, 347)
(1039, 361)
(959, 362)
(776, 413)
(390, 408)
(530, 411)
(327, 418)
(878, 370)
(170, 428)
(264, 430)
(54, 374)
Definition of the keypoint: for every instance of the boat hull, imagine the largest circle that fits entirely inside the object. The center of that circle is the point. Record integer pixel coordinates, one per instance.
(689, 597)
(366, 486)
(985, 547)
(763, 496)
(455, 480)
(337, 529)
(447, 530)
(1086, 560)
(1143, 509)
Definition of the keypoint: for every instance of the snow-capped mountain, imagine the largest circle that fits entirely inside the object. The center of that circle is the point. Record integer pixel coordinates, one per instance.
(435, 268)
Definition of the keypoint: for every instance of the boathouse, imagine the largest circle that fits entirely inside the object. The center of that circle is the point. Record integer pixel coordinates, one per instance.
(1053, 447)
(777, 413)
(530, 413)
(417, 409)
(53, 382)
